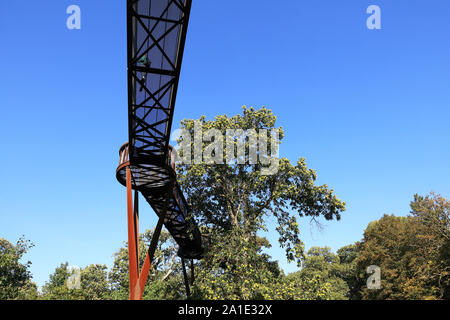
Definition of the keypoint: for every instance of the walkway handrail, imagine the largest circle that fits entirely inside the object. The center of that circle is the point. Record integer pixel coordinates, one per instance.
(124, 156)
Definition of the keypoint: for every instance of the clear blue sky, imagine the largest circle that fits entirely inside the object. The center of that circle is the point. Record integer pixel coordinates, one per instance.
(368, 109)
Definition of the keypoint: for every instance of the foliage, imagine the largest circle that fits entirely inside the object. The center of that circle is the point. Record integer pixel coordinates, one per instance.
(234, 268)
(57, 289)
(411, 251)
(94, 282)
(15, 277)
(432, 213)
(232, 201)
(348, 257)
(239, 196)
(322, 275)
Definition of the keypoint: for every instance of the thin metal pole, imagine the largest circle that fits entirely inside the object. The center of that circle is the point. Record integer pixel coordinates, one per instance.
(192, 272)
(186, 280)
(136, 225)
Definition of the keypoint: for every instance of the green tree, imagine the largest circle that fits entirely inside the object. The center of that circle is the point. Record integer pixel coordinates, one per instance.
(391, 244)
(56, 288)
(412, 252)
(348, 270)
(233, 201)
(322, 275)
(235, 268)
(432, 213)
(298, 287)
(94, 282)
(15, 276)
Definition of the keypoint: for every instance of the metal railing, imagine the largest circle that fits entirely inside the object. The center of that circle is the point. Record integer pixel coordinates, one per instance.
(124, 156)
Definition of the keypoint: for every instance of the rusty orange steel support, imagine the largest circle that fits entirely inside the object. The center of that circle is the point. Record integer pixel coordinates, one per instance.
(133, 250)
(143, 276)
(138, 279)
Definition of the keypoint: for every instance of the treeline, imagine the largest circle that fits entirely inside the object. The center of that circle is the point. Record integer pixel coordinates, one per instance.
(412, 252)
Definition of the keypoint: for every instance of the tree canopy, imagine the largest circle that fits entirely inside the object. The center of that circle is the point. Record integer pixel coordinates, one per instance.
(232, 200)
(15, 276)
(232, 196)
(412, 252)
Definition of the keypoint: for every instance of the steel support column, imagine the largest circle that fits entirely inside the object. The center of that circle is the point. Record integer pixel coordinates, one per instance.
(139, 279)
(186, 280)
(132, 239)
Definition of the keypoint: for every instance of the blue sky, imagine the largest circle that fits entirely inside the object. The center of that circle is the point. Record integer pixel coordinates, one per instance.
(368, 109)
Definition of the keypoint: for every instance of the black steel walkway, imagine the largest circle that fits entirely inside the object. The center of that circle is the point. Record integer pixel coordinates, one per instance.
(156, 36)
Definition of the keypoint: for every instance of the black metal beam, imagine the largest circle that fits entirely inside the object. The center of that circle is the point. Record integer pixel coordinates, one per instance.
(186, 280)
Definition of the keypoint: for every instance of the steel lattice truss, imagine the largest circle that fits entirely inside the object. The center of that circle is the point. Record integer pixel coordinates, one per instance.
(178, 222)
(158, 29)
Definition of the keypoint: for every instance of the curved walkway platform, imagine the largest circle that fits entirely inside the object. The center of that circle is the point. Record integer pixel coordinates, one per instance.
(154, 182)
